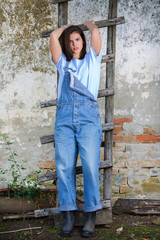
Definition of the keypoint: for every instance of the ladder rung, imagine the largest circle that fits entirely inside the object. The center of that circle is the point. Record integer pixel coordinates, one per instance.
(53, 175)
(50, 138)
(101, 93)
(60, 1)
(100, 24)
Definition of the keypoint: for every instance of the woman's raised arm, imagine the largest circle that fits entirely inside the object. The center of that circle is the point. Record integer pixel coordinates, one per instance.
(95, 36)
(55, 46)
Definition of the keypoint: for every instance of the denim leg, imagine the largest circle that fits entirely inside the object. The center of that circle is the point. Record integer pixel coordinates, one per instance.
(89, 139)
(66, 158)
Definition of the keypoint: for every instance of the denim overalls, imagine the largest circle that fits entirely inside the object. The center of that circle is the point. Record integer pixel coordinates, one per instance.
(77, 129)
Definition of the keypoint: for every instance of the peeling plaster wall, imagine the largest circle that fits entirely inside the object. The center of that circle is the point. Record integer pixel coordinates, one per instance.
(138, 61)
(28, 77)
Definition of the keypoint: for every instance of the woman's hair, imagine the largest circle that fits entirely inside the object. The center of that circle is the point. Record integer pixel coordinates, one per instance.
(65, 42)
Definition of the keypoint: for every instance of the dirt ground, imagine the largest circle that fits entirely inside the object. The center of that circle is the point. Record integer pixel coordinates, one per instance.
(126, 227)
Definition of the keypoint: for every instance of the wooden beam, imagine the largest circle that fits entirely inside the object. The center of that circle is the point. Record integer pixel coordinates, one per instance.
(53, 175)
(48, 103)
(101, 93)
(105, 92)
(60, 1)
(109, 101)
(100, 24)
(137, 206)
(62, 13)
(50, 138)
(108, 58)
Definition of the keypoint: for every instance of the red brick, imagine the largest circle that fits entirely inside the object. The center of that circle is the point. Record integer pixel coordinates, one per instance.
(117, 130)
(47, 164)
(115, 171)
(124, 138)
(120, 121)
(147, 138)
(149, 131)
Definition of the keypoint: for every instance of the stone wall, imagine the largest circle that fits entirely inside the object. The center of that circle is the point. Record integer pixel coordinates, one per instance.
(28, 77)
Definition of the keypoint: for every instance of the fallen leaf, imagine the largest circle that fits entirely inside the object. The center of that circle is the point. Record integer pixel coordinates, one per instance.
(156, 222)
(119, 230)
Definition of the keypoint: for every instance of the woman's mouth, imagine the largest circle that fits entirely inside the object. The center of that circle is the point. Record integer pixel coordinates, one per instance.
(76, 48)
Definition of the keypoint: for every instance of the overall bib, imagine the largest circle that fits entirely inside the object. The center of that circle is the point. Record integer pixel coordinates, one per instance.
(77, 129)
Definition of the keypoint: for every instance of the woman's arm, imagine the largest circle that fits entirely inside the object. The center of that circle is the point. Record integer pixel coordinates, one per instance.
(95, 36)
(55, 46)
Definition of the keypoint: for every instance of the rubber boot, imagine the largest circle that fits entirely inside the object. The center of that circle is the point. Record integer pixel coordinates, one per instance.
(69, 224)
(89, 226)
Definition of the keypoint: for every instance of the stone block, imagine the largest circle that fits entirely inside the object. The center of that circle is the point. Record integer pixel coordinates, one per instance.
(119, 147)
(143, 163)
(115, 189)
(115, 171)
(119, 163)
(47, 165)
(124, 181)
(125, 189)
(124, 138)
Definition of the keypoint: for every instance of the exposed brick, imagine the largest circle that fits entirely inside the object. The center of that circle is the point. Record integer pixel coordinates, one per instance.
(119, 163)
(143, 163)
(124, 181)
(140, 147)
(124, 138)
(149, 130)
(117, 130)
(47, 164)
(119, 147)
(0, 164)
(115, 171)
(125, 189)
(147, 138)
(121, 155)
(120, 121)
(115, 189)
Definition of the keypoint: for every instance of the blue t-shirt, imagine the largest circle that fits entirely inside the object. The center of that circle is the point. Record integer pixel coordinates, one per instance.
(86, 70)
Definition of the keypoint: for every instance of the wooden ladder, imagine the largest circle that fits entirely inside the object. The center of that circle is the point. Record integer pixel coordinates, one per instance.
(104, 216)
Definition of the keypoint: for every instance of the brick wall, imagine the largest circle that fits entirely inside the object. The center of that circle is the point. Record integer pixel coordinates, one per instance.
(136, 161)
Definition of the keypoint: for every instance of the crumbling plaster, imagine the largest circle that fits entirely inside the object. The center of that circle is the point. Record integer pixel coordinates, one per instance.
(137, 62)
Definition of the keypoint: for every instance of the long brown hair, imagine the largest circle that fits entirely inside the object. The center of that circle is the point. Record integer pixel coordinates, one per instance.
(65, 42)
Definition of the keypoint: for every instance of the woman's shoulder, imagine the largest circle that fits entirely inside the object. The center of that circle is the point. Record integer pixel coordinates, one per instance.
(91, 55)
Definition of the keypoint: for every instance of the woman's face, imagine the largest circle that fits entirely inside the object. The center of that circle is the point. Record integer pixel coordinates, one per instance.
(76, 44)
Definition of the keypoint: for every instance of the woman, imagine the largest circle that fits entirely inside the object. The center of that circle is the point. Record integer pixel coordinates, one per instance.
(78, 126)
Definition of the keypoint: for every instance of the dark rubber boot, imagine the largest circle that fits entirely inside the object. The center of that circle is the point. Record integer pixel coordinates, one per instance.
(69, 224)
(89, 226)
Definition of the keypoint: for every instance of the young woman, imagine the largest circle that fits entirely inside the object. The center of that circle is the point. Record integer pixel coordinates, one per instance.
(78, 126)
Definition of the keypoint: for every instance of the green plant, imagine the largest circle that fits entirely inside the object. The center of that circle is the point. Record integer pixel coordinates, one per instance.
(21, 186)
